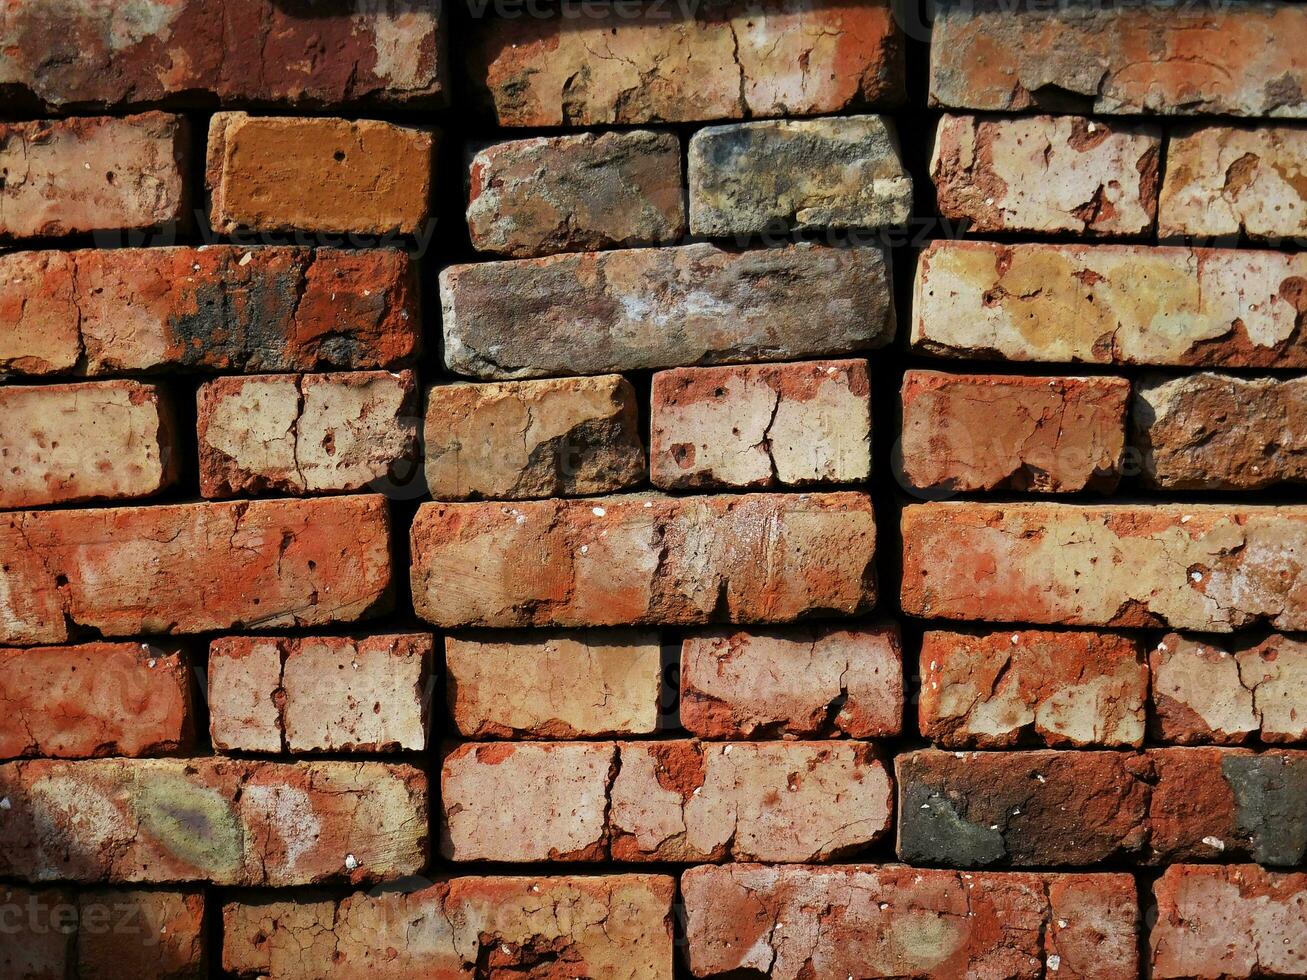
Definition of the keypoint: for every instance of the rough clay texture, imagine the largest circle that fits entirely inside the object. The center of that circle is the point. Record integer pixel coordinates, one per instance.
(1063, 689)
(789, 923)
(1111, 304)
(220, 307)
(1092, 178)
(1154, 57)
(622, 65)
(64, 444)
(1229, 694)
(820, 682)
(96, 699)
(760, 425)
(320, 694)
(1201, 567)
(1225, 923)
(655, 308)
(1226, 182)
(1000, 432)
(574, 685)
(780, 175)
(515, 440)
(1211, 431)
(49, 189)
(189, 568)
(611, 926)
(328, 175)
(576, 193)
(312, 433)
(231, 822)
(644, 560)
(61, 56)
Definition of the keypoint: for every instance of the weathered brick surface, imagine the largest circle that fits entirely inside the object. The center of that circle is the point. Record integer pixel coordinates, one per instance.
(59, 444)
(1122, 304)
(760, 425)
(101, 934)
(644, 560)
(524, 439)
(777, 175)
(1231, 181)
(320, 694)
(96, 699)
(792, 922)
(64, 56)
(1215, 804)
(1154, 57)
(1064, 689)
(1038, 808)
(1203, 567)
(303, 434)
(223, 307)
(188, 568)
(611, 926)
(226, 821)
(1228, 922)
(657, 308)
(576, 193)
(542, 686)
(1221, 432)
(820, 682)
(269, 174)
(50, 187)
(619, 65)
(1003, 432)
(1093, 178)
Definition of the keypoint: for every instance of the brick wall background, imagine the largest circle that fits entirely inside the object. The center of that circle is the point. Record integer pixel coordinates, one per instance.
(653, 489)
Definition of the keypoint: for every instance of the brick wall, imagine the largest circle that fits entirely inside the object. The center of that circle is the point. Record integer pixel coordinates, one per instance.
(644, 490)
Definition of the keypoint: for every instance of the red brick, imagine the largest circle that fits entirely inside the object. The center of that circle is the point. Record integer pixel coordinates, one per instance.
(747, 801)
(225, 821)
(576, 193)
(631, 309)
(319, 694)
(577, 685)
(761, 425)
(61, 56)
(1047, 174)
(101, 934)
(1063, 689)
(998, 432)
(93, 700)
(1038, 808)
(138, 179)
(190, 568)
(619, 65)
(1107, 304)
(59, 444)
(1228, 923)
(794, 922)
(1204, 567)
(822, 682)
(1156, 57)
(305, 434)
(618, 927)
(222, 307)
(637, 560)
(268, 173)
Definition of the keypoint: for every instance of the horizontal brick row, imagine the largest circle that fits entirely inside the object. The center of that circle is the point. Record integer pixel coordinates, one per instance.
(223, 307)
(643, 560)
(662, 801)
(224, 821)
(1049, 808)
